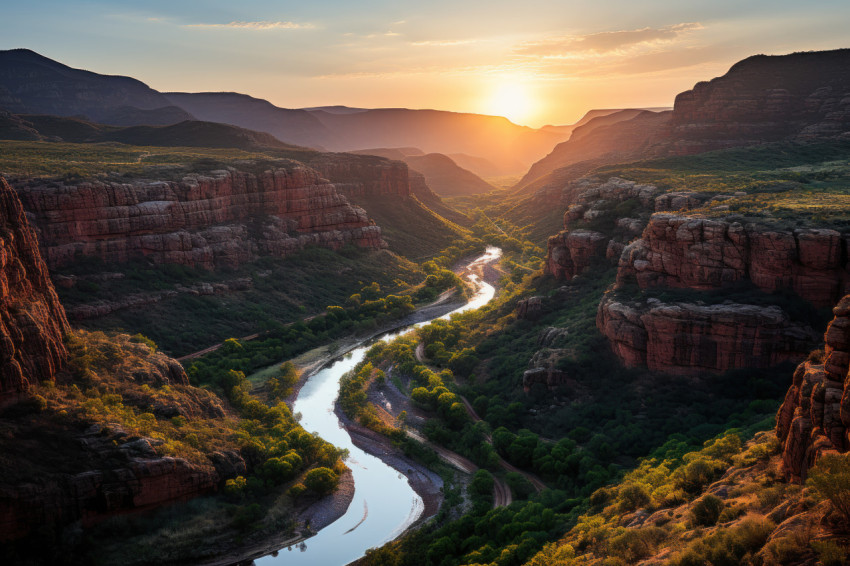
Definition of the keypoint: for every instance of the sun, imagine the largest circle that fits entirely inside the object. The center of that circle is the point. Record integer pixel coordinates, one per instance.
(513, 101)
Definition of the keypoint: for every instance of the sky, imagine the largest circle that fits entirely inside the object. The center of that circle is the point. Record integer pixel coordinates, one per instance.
(535, 61)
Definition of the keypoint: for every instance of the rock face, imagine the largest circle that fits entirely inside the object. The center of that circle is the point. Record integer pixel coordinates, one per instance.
(690, 339)
(764, 98)
(32, 322)
(570, 252)
(815, 416)
(222, 219)
(698, 253)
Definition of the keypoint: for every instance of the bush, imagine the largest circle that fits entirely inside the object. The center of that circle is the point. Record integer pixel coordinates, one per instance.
(321, 480)
(831, 478)
(830, 553)
(706, 511)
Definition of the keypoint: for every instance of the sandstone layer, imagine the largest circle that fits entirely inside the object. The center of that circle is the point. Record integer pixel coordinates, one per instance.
(693, 339)
(698, 253)
(32, 322)
(222, 219)
(815, 417)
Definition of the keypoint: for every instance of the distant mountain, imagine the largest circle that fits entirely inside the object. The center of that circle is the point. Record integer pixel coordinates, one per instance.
(600, 112)
(190, 133)
(338, 109)
(293, 126)
(33, 84)
(484, 167)
(604, 136)
(435, 131)
(442, 174)
(761, 99)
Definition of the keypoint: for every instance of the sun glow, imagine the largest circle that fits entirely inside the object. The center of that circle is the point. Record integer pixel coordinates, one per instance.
(513, 101)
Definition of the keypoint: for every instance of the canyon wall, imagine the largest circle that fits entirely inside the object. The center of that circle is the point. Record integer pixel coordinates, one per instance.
(698, 253)
(694, 339)
(221, 219)
(815, 416)
(32, 322)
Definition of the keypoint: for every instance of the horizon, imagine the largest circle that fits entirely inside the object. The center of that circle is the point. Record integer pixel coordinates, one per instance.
(548, 65)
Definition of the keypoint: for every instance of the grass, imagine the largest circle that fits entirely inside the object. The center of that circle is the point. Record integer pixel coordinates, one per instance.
(116, 161)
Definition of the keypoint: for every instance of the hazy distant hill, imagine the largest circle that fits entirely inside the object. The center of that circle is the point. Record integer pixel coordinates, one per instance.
(443, 175)
(293, 126)
(33, 84)
(190, 133)
(618, 136)
(434, 131)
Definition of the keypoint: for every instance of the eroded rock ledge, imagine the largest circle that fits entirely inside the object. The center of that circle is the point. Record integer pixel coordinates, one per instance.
(815, 417)
(222, 219)
(699, 253)
(32, 322)
(694, 339)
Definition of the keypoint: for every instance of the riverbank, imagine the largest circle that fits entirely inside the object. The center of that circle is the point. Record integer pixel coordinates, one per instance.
(192, 533)
(314, 360)
(426, 483)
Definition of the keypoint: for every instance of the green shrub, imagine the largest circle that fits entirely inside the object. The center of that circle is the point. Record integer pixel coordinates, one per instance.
(321, 480)
(706, 510)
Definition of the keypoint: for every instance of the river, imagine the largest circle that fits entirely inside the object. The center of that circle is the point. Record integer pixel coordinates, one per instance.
(384, 504)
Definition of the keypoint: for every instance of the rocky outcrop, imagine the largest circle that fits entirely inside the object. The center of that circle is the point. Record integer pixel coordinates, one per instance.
(571, 252)
(222, 219)
(531, 308)
(815, 416)
(32, 322)
(699, 253)
(693, 339)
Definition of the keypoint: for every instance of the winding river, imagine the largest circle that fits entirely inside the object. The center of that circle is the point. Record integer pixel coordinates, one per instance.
(384, 504)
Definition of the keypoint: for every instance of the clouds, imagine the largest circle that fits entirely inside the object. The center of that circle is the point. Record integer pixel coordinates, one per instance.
(254, 26)
(606, 41)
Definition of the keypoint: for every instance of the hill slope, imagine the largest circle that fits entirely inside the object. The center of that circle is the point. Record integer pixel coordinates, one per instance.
(31, 83)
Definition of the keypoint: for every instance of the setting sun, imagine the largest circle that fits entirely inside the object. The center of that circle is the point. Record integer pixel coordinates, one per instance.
(513, 101)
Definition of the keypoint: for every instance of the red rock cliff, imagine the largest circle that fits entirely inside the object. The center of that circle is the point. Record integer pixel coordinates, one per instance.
(225, 218)
(815, 417)
(693, 339)
(698, 253)
(32, 322)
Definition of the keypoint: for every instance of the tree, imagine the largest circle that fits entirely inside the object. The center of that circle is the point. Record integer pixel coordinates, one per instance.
(321, 480)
